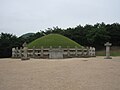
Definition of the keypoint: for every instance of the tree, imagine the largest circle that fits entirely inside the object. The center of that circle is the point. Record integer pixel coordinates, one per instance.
(7, 41)
(89, 35)
(114, 33)
(98, 35)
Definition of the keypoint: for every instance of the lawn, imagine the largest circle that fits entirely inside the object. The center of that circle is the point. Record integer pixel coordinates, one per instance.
(54, 40)
(114, 51)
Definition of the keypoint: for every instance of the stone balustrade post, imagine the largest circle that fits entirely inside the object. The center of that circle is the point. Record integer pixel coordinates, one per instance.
(20, 52)
(68, 51)
(13, 53)
(17, 52)
(82, 52)
(87, 54)
(93, 49)
(76, 51)
(42, 51)
(60, 48)
(33, 51)
(90, 51)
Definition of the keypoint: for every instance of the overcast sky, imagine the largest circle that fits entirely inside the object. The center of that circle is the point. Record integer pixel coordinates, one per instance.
(23, 16)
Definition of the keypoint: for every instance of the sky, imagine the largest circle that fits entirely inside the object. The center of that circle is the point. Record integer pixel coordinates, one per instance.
(25, 16)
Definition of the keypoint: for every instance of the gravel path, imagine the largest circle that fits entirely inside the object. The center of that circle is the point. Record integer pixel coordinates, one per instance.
(62, 74)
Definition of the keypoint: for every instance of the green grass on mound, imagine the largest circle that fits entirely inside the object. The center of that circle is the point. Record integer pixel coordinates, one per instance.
(54, 40)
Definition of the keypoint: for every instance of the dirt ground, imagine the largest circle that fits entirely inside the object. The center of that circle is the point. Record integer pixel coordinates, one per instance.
(63, 74)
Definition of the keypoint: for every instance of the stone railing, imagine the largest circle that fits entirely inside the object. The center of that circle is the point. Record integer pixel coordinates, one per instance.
(52, 53)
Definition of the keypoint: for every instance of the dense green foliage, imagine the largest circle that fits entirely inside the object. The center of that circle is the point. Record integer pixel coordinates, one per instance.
(7, 41)
(54, 40)
(88, 35)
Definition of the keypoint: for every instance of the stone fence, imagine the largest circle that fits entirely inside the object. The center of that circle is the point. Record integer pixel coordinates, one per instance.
(52, 53)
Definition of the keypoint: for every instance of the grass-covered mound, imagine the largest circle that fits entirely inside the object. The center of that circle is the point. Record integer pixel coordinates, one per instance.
(54, 40)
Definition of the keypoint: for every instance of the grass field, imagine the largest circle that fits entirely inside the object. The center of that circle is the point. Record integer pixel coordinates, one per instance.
(114, 51)
(54, 40)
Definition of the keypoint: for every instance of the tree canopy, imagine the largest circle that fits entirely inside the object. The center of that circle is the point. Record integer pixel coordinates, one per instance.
(89, 35)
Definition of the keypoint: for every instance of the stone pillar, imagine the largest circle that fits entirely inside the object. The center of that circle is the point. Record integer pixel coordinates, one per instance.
(20, 53)
(76, 51)
(25, 53)
(50, 50)
(93, 51)
(68, 51)
(42, 51)
(90, 51)
(87, 54)
(17, 52)
(82, 52)
(60, 48)
(60, 53)
(108, 50)
(13, 53)
(33, 51)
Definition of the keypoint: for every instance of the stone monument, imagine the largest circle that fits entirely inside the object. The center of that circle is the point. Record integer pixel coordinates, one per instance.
(108, 50)
(13, 53)
(25, 53)
(56, 53)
